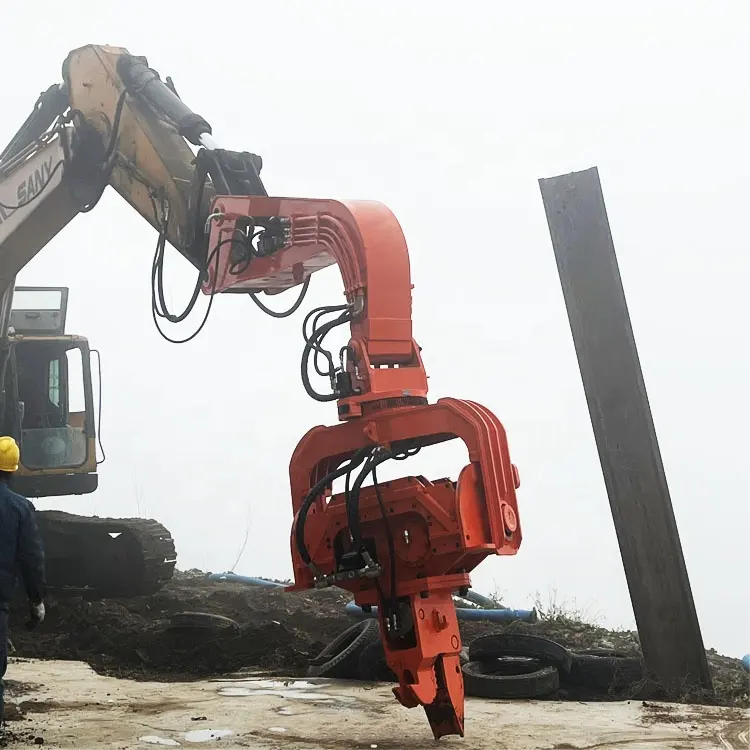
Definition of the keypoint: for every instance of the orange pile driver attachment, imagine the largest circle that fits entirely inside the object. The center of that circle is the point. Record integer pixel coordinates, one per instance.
(405, 545)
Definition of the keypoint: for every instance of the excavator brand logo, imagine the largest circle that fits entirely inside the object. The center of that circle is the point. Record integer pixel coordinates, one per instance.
(35, 183)
(29, 188)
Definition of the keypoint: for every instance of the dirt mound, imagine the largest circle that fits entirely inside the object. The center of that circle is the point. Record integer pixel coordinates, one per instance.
(278, 631)
(130, 637)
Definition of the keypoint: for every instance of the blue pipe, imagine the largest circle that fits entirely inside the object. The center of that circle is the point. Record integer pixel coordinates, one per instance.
(746, 662)
(464, 613)
(462, 603)
(474, 615)
(234, 578)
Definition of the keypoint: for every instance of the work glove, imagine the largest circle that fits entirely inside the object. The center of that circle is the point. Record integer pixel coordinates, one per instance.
(36, 615)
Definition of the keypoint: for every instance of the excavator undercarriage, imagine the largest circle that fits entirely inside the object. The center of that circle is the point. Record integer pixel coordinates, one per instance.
(105, 557)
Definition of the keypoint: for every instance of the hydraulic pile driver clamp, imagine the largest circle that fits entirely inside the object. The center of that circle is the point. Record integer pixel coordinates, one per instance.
(404, 545)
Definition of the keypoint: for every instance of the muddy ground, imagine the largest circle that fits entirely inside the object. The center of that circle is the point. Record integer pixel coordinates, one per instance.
(279, 632)
(66, 706)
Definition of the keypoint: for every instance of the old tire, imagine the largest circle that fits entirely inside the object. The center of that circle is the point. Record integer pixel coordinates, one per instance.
(201, 621)
(599, 671)
(509, 678)
(496, 645)
(341, 656)
(372, 666)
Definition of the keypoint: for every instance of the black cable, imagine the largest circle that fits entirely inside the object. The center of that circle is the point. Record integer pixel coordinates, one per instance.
(283, 313)
(347, 484)
(242, 264)
(408, 453)
(154, 310)
(391, 541)
(313, 343)
(115, 125)
(157, 285)
(157, 281)
(305, 366)
(299, 533)
(352, 508)
(352, 505)
(372, 460)
(319, 313)
(157, 274)
(109, 159)
(159, 307)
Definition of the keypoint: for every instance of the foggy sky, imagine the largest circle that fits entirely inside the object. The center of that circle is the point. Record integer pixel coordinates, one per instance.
(449, 115)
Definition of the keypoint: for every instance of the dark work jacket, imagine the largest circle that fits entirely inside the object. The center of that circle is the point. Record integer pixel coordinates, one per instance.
(21, 550)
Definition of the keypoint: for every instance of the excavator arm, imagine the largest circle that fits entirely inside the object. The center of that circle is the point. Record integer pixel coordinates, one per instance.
(113, 121)
(403, 546)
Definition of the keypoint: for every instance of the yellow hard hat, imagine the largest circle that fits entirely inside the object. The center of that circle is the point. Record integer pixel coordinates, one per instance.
(9, 454)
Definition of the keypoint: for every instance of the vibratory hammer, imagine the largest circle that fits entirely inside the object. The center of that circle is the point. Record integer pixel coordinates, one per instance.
(404, 545)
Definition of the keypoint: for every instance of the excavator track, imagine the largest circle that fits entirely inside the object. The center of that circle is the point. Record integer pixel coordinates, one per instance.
(105, 557)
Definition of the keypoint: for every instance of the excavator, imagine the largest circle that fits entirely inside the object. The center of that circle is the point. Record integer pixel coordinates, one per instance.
(47, 403)
(403, 546)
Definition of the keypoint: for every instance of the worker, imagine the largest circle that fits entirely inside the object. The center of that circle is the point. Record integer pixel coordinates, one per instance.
(21, 552)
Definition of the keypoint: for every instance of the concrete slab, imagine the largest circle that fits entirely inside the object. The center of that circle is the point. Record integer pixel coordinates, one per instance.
(70, 706)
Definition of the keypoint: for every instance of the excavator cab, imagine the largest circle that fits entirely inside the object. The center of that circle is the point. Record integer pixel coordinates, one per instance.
(47, 404)
(47, 401)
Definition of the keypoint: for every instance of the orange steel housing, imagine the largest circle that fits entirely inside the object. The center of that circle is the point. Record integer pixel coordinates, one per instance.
(440, 530)
(365, 240)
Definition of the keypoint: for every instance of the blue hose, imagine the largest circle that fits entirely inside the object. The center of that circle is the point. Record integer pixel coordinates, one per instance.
(234, 578)
(474, 615)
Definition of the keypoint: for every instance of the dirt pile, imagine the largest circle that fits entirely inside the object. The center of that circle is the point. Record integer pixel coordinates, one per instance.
(130, 637)
(278, 631)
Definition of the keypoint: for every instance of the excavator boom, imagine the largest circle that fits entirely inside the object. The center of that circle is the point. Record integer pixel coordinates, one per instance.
(113, 122)
(32, 184)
